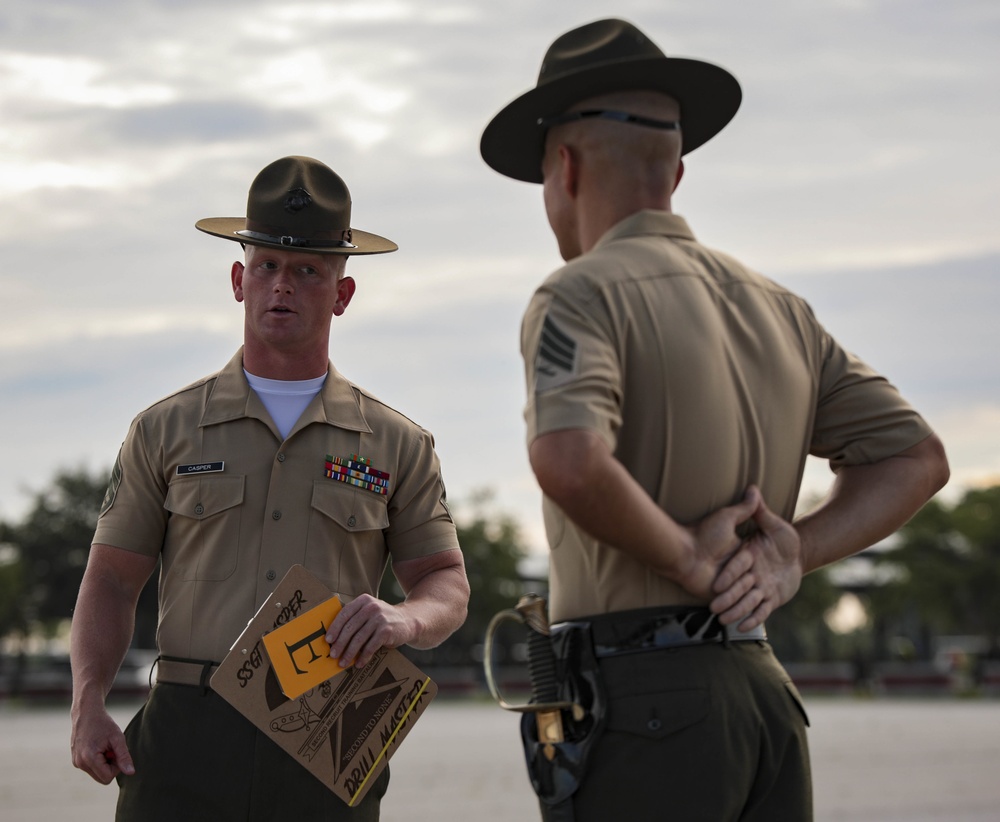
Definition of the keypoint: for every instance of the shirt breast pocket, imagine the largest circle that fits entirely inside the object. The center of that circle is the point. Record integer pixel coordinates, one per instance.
(203, 534)
(346, 542)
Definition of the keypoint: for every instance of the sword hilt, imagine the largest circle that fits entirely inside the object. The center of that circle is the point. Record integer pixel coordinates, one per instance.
(530, 612)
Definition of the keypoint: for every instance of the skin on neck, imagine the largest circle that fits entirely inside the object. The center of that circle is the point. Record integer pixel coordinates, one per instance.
(598, 172)
(276, 364)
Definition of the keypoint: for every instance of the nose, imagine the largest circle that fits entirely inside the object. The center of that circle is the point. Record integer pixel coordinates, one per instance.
(283, 282)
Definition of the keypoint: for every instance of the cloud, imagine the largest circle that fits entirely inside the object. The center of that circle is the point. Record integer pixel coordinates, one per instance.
(929, 326)
(204, 121)
(860, 171)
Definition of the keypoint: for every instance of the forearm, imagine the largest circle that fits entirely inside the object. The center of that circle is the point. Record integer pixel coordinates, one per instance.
(437, 595)
(100, 636)
(867, 503)
(578, 472)
(436, 606)
(614, 509)
(104, 619)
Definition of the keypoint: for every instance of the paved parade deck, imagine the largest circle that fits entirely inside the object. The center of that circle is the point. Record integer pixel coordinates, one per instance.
(873, 760)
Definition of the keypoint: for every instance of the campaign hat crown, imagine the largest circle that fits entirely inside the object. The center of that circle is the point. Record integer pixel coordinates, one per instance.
(298, 204)
(598, 58)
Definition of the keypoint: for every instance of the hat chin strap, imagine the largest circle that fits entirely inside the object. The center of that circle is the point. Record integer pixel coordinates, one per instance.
(606, 114)
(298, 242)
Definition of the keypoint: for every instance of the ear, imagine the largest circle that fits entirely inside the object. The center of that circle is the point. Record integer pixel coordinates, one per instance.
(345, 291)
(680, 173)
(236, 275)
(569, 167)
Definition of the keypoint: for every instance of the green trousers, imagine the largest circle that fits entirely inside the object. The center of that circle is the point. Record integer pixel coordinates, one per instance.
(710, 733)
(199, 760)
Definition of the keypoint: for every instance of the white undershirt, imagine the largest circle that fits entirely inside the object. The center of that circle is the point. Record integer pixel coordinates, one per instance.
(285, 400)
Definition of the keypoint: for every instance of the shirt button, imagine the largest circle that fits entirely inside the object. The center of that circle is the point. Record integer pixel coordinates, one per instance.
(270, 575)
(276, 515)
(654, 724)
(199, 509)
(281, 457)
(351, 521)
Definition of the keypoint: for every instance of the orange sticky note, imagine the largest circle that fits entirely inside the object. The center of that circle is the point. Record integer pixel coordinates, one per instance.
(299, 652)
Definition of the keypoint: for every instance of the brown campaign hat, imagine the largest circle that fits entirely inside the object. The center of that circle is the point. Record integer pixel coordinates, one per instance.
(298, 204)
(601, 57)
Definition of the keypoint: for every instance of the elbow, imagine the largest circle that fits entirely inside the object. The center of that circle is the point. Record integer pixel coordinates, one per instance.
(460, 607)
(455, 610)
(936, 463)
(449, 614)
(561, 488)
(567, 464)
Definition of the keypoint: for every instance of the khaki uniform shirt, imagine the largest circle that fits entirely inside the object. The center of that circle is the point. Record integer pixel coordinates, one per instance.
(703, 378)
(205, 482)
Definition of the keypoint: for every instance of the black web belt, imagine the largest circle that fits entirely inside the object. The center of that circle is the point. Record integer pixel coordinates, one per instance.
(652, 629)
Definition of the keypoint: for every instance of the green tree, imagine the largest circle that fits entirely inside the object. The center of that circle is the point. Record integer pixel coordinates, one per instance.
(977, 520)
(52, 544)
(946, 571)
(798, 631)
(12, 616)
(927, 569)
(493, 550)
(49, 551)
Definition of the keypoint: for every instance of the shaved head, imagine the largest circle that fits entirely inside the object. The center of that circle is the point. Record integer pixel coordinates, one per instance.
(633, 157)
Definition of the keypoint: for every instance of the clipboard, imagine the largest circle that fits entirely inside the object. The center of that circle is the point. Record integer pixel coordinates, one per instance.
(343, 729)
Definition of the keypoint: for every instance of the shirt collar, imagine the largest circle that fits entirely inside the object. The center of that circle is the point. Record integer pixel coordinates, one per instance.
(645, 222)
(231, 398)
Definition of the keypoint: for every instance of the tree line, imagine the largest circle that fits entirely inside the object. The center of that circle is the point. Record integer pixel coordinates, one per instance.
(939, 577)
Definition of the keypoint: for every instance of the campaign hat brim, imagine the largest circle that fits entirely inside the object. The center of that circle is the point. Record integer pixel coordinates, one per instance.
(709, 96)
(228, 228)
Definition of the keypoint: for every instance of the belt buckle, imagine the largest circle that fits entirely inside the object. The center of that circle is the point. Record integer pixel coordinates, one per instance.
(669, 630)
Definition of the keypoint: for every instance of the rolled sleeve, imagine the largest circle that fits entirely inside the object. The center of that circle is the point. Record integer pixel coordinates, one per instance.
(861, 418)
(133, 516)
(419, 520)
(572, 372)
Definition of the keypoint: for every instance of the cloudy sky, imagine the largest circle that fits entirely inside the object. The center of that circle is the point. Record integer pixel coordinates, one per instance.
(862, 171)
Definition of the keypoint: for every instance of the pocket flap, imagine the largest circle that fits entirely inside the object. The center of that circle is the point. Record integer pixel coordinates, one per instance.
(203, 497)
(658, 715)
(797, 699)
(352, 509)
